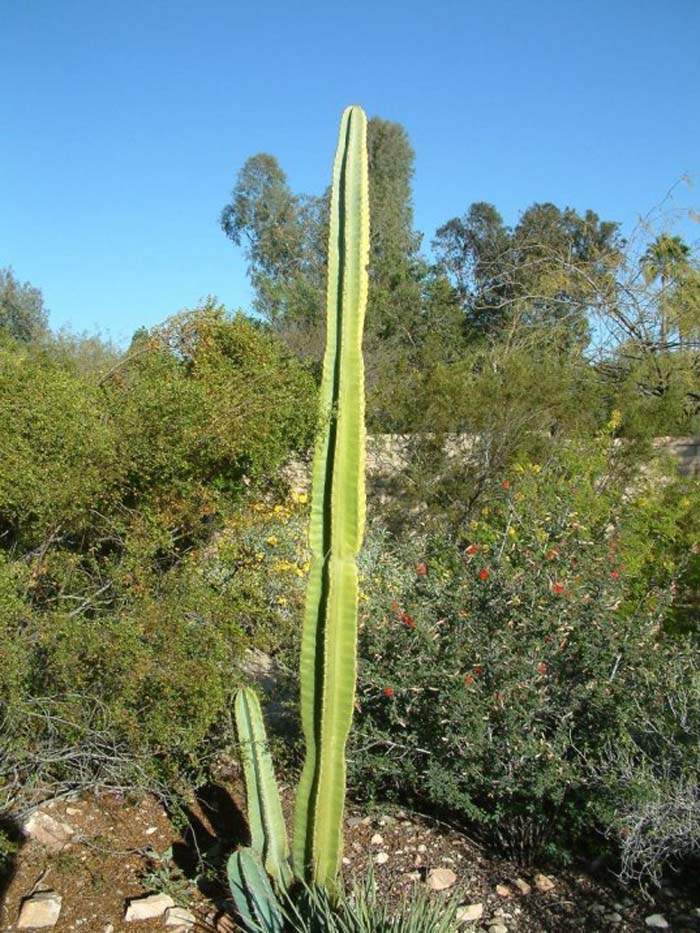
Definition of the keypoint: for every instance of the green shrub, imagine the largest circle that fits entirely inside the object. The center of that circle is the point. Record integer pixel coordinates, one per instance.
(497, 666)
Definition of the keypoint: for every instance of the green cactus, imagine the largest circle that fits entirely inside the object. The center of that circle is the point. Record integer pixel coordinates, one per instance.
(267, 829)
(257, 905)
(329, 637)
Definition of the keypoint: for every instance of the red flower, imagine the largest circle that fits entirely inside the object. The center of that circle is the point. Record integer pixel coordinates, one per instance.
(388, 692)
(478, 670)
(615, 574)
(471, 550)
(505, 484)
(542, 668)
(558, 588)
(552, 554)
(407, 620)
(469, 680)
(422, 569)
(483, 574)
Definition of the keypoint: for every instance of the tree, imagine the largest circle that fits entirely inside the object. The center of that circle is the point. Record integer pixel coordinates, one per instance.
(547, 271)
(22, 312)
(666, 258)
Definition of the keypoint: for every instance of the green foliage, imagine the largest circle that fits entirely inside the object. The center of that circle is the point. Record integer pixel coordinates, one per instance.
(549, 269)
(130, 585)
(22, 313)
(533, 638)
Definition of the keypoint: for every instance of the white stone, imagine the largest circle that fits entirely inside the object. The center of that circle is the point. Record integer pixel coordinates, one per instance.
(381, 858)
(179, 917)
(73, 811)
(656, 922)
(47, 831)
(503, 890)
(148, 908)
(440, 878)
(39, 911)
(109, 928)
(470, 913)
(498, 928)
(543, 883)
(522, 886)
(377, 840)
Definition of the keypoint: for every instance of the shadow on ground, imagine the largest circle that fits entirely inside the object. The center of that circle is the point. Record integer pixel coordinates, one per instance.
(214, 825)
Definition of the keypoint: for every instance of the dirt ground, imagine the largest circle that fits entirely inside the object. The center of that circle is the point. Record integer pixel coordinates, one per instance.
(123, 849)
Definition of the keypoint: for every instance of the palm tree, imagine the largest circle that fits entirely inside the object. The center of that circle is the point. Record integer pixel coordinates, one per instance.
(666, 259)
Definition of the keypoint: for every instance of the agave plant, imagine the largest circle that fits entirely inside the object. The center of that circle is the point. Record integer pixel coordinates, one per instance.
(260, 875)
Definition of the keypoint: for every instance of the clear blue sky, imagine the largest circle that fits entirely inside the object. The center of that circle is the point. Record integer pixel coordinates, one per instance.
(123, 124)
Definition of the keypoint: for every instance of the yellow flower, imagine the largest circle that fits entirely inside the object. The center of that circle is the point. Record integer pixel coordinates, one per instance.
(272, 540)
(303, 498)
(282, 601)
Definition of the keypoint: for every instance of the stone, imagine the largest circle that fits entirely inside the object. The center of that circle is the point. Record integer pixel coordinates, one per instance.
(656, 922)
(347, 861)
(73, 811)
(522, 886)
(108, 928)
(614, 917)
(381, 858)
(376, 840)
(354, 821)
(470, 913)
(48, 832)
(440, 878)
(543, 883)
(148, 908)
(503, 890)
(225, 924)
(179, 917)
(695, 912)
(498, 928)
(39, 911)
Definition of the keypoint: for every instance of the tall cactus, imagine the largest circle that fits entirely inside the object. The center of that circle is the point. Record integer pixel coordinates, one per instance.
(329, 637)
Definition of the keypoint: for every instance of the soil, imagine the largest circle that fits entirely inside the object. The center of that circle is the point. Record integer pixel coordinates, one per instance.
(124, 849)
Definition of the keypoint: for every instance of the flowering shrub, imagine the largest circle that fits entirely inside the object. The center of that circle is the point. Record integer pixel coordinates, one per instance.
(536, 637)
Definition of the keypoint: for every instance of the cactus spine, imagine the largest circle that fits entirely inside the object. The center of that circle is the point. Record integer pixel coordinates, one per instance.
(329, 637)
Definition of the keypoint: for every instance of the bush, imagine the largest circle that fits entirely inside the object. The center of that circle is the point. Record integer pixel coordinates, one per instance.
(497, 665)
(131, 562)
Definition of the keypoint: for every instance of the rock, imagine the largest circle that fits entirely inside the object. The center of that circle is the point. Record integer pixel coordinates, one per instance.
(470, 913)
(656, 922)
(376, 840)
(522, 886)
(498, 928)
(422, 848)
(503, 890)
(613, 917)
(39, 911)
(73, 811)
(354, 821)
(543, 883)
(381, 858)
(695, 912)
(108, 928)
(179, 917)
(225, 924)
(440, 878)
(347, 861)
(47, 831)
(148, 908)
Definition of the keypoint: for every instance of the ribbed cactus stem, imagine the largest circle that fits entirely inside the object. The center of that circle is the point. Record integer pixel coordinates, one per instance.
(329, 637)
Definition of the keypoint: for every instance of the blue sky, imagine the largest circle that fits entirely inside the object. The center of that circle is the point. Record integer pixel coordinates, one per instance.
(123, 124)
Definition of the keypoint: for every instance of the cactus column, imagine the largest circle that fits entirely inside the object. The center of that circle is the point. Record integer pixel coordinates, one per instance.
(329, 638)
